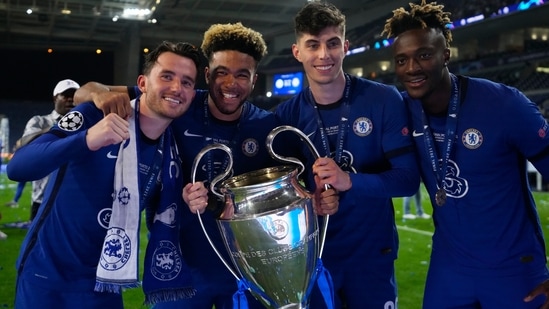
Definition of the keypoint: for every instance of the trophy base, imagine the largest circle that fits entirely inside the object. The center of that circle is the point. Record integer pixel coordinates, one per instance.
(294, 306)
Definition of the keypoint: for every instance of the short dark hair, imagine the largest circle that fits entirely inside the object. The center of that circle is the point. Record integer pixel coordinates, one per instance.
(420, 16)
(316, 16)
(220, 37)
(182, 49)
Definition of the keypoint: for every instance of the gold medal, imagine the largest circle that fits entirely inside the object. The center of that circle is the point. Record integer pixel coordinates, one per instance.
(440, 197)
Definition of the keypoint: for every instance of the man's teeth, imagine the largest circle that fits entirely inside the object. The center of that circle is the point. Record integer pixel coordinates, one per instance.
(173, 100)
(326, 67)
(229, 95)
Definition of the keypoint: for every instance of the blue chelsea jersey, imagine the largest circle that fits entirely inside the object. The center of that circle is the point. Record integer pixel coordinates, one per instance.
(377, 152)
(62, 247)
(489, 220)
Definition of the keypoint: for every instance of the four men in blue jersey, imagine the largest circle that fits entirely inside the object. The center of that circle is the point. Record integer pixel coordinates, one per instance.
(488, 247)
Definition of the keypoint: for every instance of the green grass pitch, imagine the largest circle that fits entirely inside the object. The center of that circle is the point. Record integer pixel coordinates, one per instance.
(411, 266)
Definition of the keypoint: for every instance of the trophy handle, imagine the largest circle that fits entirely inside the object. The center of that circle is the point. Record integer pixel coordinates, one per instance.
(274, 133)
(269, 143)
(217, 179)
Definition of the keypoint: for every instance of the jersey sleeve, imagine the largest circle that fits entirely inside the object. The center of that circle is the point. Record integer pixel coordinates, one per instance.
(401, 178)
(56, 147)
(528, 131)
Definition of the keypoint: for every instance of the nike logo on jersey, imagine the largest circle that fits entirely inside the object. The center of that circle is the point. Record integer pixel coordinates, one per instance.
(111, 156)
(416, 134)
(187, 133)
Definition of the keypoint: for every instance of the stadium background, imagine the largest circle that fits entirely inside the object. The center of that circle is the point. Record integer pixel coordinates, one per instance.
(505, 45)
(506, 41)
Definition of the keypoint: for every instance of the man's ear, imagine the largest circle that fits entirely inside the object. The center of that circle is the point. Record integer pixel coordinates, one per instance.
(295, 52)
(207, 74)
(447, 54)
(142, 83)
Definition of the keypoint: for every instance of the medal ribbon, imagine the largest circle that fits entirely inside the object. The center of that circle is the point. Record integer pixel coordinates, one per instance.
(232, 142)
(342, 129)
(451, 126)
(155, 167)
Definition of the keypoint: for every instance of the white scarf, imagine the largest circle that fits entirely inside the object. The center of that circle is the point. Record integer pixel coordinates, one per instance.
(118, 265)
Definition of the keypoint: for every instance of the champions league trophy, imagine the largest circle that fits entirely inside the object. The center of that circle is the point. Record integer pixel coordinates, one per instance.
(270, 229)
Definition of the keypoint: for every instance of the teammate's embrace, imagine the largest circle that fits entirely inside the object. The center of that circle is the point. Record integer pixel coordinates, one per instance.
(84, 242)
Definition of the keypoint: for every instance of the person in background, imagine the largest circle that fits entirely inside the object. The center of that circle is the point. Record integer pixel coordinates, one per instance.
(14, 203)
(63, 102)
(223, 115)
(406, 207)
(83, 248)
(3, 235)
(360, 129)
(473, 139)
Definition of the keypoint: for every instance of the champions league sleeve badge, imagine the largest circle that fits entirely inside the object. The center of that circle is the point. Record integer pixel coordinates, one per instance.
(71, 122)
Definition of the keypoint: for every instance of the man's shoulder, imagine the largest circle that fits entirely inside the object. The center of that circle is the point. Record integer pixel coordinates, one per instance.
(254, 110)
(41, 117)
(296, 100)
(40, 121)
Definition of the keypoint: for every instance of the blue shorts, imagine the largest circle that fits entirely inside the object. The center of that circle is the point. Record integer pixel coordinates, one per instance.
(31, 296)
(360, 284)
(448, 287)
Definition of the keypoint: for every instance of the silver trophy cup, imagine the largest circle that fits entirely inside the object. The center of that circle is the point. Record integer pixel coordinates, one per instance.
(269, 229)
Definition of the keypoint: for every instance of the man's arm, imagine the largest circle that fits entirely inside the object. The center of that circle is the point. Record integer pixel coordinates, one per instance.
(30, 137)
(109, 99)
(35, 127)
(58, 148)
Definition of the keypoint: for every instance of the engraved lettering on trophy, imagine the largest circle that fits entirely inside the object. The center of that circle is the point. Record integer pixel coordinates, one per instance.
(281, 258)
(248, 254)
(284, 253)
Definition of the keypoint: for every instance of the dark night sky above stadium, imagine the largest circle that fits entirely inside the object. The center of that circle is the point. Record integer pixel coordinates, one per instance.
(32, 74)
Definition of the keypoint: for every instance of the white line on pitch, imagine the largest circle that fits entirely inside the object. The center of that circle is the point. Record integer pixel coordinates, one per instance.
(409, 229)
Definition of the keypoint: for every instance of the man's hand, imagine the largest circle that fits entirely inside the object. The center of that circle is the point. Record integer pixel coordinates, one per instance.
(108, 131)
(196, 197)
(325, 201)
(113, 102)
(542, 288)
(329, 173)
(109, 99)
